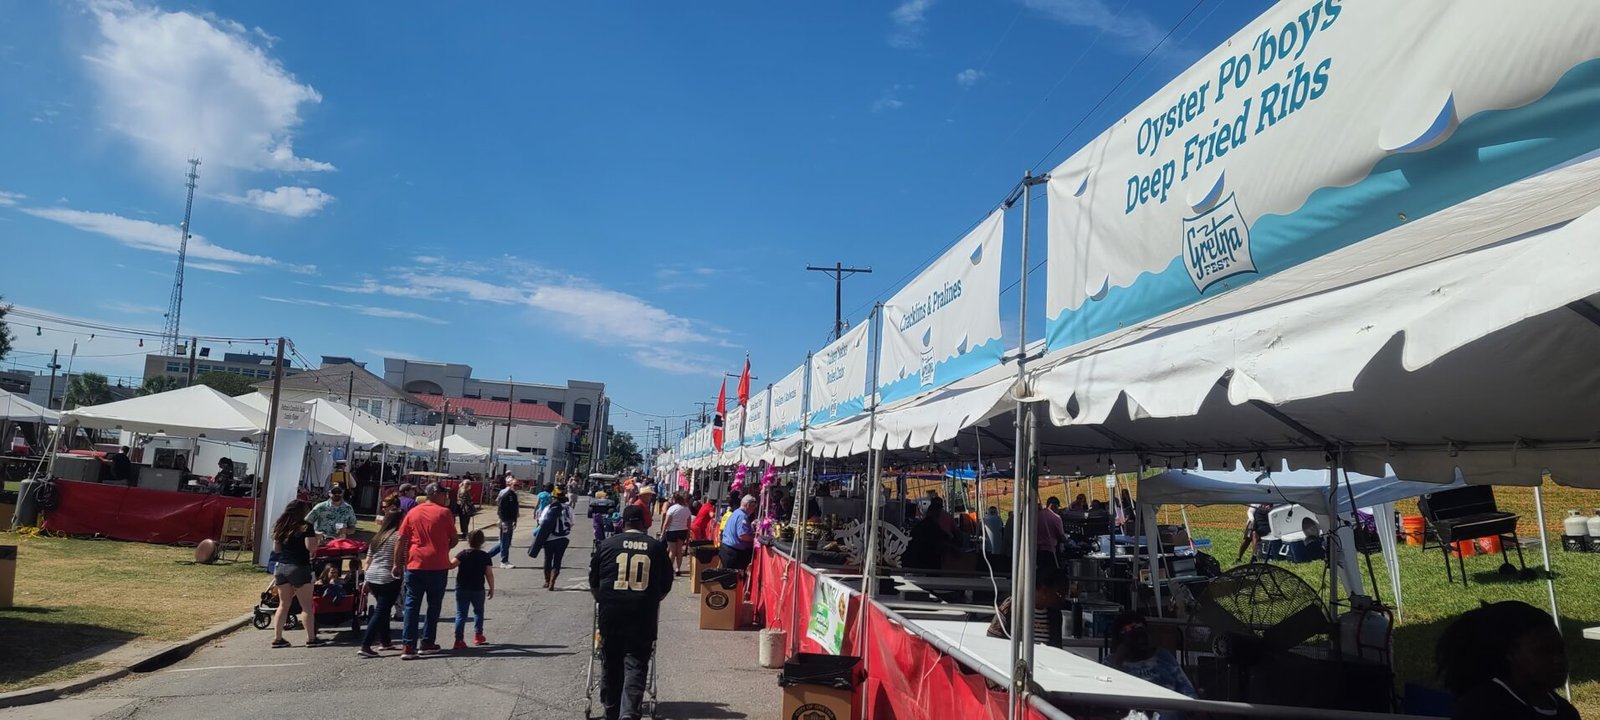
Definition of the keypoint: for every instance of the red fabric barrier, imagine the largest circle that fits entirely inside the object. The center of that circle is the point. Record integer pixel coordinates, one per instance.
(138, 514)
(907, 678)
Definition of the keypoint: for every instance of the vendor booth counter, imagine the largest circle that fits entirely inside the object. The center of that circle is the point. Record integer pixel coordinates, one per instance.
(934, 657)
(138, 514)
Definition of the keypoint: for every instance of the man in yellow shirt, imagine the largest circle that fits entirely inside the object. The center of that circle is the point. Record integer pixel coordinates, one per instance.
(339, 477)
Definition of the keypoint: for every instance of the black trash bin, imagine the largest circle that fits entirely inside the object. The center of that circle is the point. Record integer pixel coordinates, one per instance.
(819, 686)
(728, 579)
(703, 553)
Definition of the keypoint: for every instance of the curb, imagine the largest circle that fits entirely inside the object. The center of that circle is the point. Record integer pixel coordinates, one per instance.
(158, 658)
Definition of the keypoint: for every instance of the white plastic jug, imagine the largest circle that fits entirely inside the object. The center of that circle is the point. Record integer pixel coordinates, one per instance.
(1575, 525)
(1594, 524)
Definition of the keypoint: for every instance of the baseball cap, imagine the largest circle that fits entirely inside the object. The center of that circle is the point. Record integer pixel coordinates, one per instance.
(632, 513)
(336, 490)
(433, 489)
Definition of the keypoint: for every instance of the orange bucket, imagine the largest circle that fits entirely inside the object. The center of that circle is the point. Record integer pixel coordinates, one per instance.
(1489, 545)
(1412, 526)
(1466, 548)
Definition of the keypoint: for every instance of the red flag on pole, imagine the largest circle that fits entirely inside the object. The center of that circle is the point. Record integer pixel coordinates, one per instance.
(744, 382)
(716, 420)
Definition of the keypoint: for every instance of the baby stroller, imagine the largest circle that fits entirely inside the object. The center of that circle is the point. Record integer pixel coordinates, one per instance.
(339, 595)
(647, 707)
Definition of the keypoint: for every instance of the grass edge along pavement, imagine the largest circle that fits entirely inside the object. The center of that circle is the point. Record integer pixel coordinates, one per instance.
(76, 598)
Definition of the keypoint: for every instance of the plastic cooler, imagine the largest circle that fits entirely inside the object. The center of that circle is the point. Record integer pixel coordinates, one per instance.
(819, 687)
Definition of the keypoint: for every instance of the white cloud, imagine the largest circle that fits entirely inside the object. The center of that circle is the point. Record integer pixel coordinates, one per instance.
(678, 277)
(396, 354)
(1136, 31)
(133, 308)
(9, 199)
(613, 317)
(675, 362)
(295, 202)
(910, 20)
(211, 267)
(575, 305)
(888, 101)
(368, 310)
(969, 77)
(180, 85)
(155, 237)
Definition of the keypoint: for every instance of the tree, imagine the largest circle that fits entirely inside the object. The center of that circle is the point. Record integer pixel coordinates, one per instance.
(157, 384)
(87, 389)
(5, 332)
(623, 453)
(227, 383)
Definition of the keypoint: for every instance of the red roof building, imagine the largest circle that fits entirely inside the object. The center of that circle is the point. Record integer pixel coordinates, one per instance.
(490, 410)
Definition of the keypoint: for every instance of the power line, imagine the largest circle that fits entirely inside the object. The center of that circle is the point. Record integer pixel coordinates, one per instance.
(1114, 88)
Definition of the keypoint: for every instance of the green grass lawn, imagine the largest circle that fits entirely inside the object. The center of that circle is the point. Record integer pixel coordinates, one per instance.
(1431, 602)
(74, 595)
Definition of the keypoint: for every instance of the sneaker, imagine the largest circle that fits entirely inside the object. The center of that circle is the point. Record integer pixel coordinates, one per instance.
(459, 646)
(429, 647)
(367, 652)
(408, 653)
(507, 566)
(479, 639)
(386, 647)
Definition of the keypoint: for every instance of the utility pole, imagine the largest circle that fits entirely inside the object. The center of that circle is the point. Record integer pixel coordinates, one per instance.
(704, 406)
(266, 462)
(838, 272)
(169, 338)
(444, 420)
(194, 344)
(50, 395)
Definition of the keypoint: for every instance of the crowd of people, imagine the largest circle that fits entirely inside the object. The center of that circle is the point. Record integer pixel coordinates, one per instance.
(1503, 660)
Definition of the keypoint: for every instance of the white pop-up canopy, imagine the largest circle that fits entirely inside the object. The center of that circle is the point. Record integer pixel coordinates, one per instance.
(464, 450)
(16, 408)
(1309, 488)
(194, 411)
(365, 429)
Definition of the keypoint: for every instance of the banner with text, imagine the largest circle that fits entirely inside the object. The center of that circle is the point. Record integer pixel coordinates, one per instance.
(755, 420)
(1320, 124)
(839, 377)
(788, 403)
(733, 424)
(945, 324)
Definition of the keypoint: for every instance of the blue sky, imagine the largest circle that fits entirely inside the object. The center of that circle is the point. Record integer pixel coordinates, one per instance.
(621, 192)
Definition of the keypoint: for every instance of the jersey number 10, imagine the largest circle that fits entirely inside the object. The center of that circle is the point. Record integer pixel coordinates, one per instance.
(633, 572)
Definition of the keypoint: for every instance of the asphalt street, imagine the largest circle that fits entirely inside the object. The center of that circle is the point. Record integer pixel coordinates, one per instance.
(534, 667)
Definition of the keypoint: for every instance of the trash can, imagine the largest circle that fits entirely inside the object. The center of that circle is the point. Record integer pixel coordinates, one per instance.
(721, 598)
(705, 558)
(818, 687)
(8, 574)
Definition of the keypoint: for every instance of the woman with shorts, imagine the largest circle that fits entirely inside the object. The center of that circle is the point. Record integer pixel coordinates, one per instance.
(294, 540)
(675, 530)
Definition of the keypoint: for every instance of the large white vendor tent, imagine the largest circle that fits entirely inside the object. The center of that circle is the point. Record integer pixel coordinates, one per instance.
(15, 408)
(194, 411)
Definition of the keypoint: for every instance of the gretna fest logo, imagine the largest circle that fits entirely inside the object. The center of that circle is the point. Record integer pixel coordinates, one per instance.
(1216, 245)
(717, 600)
(813, 711)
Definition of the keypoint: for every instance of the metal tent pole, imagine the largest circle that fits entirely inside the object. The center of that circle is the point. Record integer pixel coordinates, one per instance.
(869, 565)
(1024, 492)
(805, 491)
(1544, 551)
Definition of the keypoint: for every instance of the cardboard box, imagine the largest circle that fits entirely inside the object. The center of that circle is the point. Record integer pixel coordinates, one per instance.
(814, 702)
(720, 606)
(8, 574)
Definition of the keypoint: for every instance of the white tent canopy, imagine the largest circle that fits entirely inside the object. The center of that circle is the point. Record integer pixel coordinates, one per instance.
(464, 450)
(16, 408)
(325, 424)
(1300, 487)
(1461, 342)
(194, 411)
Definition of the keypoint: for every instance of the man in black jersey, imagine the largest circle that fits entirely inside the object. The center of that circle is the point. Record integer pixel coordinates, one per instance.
(629, 574)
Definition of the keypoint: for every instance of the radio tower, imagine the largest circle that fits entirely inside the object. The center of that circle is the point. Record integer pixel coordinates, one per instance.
(169, 337)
